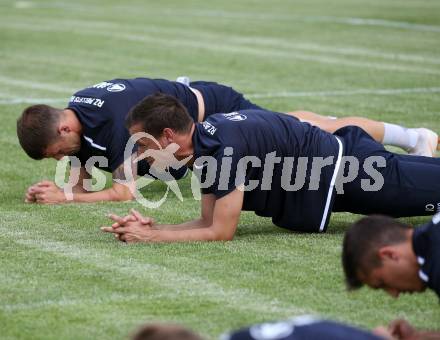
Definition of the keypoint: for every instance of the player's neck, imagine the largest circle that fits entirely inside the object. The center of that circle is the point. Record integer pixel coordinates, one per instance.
(409, 242)
(409, 249)
(70, 118)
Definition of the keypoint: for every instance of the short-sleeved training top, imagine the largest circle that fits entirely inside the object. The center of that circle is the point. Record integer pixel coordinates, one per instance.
(102, 109)
(426, 245)
(272, 155)
(301, 328)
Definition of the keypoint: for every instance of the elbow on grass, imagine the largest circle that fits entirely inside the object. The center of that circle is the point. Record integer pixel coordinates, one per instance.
(221, 236)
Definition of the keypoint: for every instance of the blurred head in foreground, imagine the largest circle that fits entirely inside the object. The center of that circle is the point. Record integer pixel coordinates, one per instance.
(384, 253)
(164, 332)
(300, 328)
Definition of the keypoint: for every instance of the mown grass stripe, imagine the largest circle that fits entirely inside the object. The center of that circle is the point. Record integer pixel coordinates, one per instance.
(163, 277)
(342, 93)
(232, 47)
(248, 15)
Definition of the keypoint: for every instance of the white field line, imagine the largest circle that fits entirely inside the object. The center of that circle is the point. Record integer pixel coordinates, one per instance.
(72, 24)
(264, 42)
(161, 276)
(9, 99)
(351, 21)
(341, 50)
(238, 49)
(337, 93)
(15, 100)
(224, 48)
(64, 302)
(29, 84)
(374, 22)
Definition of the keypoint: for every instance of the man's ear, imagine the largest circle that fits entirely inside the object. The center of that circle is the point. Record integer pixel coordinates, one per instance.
(64, 129)
(388, 253)
(169, 135)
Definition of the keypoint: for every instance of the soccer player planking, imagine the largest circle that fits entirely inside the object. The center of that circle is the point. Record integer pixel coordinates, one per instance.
(276, 166)
(92, 129)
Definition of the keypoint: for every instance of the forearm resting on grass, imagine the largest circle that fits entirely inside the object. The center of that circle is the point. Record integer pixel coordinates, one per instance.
(218, 223)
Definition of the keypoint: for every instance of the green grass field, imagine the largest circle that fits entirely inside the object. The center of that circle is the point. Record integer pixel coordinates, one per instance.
(61, 278)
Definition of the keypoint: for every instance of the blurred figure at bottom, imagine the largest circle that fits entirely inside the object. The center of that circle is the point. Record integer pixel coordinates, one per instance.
(299, 328)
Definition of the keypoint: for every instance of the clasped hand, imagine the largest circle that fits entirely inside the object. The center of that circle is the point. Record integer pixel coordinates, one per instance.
(131, 228)
(45, 192)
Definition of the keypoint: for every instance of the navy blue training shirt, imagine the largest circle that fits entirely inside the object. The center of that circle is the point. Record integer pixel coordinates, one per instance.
(246, 141)
(301, 328)
(102, 109)
(426, 245)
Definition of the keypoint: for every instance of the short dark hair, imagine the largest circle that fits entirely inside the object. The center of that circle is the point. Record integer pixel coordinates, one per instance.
(159, 111)
(164, 332)
(362, 242)
(36, 129)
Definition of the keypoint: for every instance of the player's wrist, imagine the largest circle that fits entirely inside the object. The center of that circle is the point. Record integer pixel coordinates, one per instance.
(67, 196)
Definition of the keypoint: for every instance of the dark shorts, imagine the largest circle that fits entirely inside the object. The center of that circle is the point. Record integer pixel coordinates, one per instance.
(411, 183)
(222, 99)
